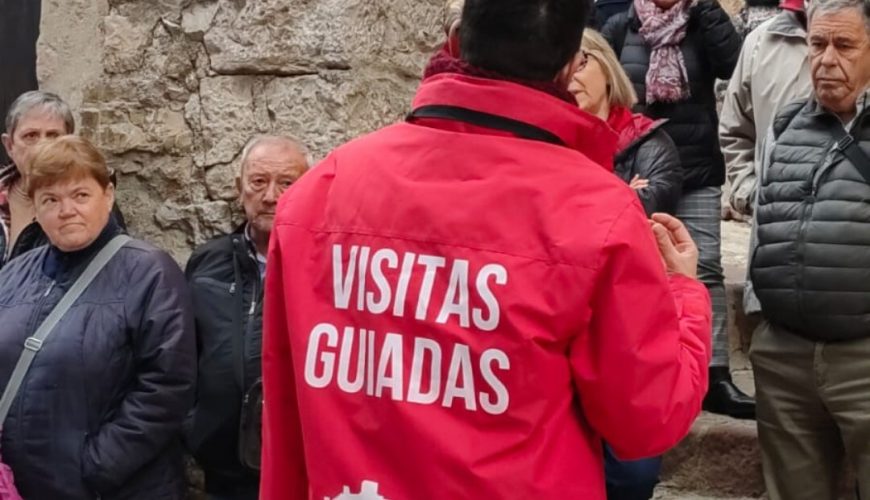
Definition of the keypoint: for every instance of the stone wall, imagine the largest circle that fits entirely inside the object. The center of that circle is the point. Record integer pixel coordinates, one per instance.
(172, 89)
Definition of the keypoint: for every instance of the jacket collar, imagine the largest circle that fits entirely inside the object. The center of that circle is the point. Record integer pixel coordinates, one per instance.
(815, 109)
(632, 128)
(786, 24)
(64, 266)
(577, 129)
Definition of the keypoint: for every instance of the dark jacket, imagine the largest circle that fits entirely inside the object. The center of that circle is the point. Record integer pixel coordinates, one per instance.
(648, 152)
(710, 51)
(225, 283)
(604, 10)
(811, 266)
(100, 411)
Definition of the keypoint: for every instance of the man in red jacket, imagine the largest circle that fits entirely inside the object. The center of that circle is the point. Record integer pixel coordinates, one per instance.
(465, 304)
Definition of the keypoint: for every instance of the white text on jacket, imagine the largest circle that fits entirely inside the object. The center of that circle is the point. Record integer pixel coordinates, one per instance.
(356, 359)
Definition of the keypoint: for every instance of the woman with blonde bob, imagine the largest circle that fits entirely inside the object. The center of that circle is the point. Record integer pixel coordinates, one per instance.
(99, 411)
(647, 159)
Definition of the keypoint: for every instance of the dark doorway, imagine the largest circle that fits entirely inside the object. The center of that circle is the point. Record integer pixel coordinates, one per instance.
(19, 30)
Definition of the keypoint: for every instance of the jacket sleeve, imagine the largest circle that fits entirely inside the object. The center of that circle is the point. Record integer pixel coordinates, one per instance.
(737, 133)
(283, 461)
(658, 161)
(641, 366)
(150, 415)
(721, 40)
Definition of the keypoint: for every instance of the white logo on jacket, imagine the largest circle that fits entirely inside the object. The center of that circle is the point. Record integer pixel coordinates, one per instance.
(368, 491)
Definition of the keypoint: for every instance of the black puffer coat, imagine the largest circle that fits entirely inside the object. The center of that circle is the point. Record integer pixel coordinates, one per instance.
(710, 51)
(811, 266)
(99, 413)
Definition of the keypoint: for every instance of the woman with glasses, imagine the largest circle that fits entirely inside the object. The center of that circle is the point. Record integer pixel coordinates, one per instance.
(647, 159)
(673, 51)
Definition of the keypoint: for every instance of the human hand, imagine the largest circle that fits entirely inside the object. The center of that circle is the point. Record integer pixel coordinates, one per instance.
(638, 183)
(678, 251)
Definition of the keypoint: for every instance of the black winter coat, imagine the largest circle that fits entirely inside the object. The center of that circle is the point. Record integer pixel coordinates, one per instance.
(710, 51)
(604, 10)
(653, 157)
(100, 411)
(227, 294)
(811, 266)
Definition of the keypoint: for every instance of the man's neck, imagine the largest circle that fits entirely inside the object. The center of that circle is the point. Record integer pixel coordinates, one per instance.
(861, 104)
(260, 240)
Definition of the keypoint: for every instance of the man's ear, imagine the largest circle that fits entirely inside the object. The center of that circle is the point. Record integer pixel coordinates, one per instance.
(453, 39)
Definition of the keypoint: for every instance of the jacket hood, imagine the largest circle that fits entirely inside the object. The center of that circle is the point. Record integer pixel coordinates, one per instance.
(631, 128)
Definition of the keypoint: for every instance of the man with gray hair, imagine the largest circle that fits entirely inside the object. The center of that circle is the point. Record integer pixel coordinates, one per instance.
(226, 280)
(35, 116)
(810, 268)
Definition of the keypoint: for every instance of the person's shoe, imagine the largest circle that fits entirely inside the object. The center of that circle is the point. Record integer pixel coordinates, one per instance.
(724, 398)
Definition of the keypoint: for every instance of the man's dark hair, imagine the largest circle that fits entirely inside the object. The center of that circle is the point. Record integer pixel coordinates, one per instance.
(527, 39)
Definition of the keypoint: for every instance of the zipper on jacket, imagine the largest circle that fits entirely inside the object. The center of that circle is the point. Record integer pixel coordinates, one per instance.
(49, 289)
(801, 243)
(255, 294)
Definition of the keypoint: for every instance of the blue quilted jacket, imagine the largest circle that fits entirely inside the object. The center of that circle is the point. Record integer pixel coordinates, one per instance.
(100, 411)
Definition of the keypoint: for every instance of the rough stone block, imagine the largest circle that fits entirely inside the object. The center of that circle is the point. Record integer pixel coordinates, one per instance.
(291, 37)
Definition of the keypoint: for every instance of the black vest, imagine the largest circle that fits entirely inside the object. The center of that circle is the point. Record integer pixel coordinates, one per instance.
(811, 268)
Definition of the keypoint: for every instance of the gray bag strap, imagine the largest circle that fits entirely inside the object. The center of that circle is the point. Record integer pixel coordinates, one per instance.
(33, 344)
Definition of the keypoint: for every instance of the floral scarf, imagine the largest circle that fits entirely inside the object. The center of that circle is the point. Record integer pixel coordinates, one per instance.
(663, 31)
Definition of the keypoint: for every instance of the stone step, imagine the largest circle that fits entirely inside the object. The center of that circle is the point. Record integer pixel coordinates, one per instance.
(719, 458)
(671, 494)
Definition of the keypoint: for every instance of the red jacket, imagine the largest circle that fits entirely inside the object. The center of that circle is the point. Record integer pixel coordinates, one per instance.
(455, 313)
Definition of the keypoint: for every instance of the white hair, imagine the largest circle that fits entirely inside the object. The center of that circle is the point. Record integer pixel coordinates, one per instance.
(271, 139)
(823, 6)
(45, 101)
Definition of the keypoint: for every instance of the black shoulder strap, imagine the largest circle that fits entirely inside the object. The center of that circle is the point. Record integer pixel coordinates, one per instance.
(487, 120)
(848, 146)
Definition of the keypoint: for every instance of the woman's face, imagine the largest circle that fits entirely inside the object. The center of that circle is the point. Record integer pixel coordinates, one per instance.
(73, 212)
(589, 86)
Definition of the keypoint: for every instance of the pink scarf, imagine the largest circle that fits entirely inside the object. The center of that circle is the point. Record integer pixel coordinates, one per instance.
(663, 31)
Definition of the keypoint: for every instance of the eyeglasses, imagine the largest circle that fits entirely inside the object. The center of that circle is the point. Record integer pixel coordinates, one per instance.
(584, 59)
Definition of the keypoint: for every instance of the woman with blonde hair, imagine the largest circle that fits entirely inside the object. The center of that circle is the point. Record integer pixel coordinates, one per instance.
(673, 51)
(647, 159)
